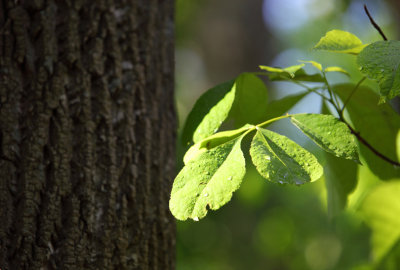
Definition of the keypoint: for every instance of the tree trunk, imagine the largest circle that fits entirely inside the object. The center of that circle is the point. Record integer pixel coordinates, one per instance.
(87, 134)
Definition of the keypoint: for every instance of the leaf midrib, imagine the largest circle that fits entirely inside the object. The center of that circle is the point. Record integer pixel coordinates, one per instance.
(212, 176)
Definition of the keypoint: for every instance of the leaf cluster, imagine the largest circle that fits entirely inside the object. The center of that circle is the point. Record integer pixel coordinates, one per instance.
(363, 128)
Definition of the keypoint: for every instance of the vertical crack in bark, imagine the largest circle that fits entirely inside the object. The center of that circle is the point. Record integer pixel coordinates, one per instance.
(34, 123)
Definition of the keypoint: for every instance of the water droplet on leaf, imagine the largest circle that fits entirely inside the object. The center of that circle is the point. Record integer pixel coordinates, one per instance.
(196, 219)
(205, 194)
(230, 178)
(267, 157)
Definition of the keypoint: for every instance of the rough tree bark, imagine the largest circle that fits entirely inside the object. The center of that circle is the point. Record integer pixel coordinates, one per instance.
(87, 131)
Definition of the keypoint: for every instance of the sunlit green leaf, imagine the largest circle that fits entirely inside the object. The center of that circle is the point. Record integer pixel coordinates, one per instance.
(301, 75)
(296, 73)
(208, 181)
(207, 115)
(377, 124)
(340, 179)
(380, 62)
(288, 71)
(281, 160)
(213, 141)
(251, 99)
(381, 210)
(329, 133)
(315, 64)
(336, 69)
(278, 107)
(341, 42)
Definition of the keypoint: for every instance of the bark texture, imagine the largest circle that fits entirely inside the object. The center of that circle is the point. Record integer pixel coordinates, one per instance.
(87, 133)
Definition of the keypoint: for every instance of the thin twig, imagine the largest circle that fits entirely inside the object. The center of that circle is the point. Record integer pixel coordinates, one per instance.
(333, 100)
(309, 89)
(374, 23)
(351, 94)
(357, 134)
(370, 147)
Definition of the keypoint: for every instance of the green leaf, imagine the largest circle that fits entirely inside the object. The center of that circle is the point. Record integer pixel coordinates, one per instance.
(336, 69)
(213, 141)
(315, 64)
(301, 75)
(279, 107)
(377, 124)
(341, 42)
(208, 113)
(251, 99)
(329, 133)
(208, 181)
(398, 145)
(281, 160)
(340, 179)
(381, 210)
(380, 61)
(291, 73)
(288, 71)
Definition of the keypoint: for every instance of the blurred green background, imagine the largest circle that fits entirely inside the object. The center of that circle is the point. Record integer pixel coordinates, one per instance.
(269, 226)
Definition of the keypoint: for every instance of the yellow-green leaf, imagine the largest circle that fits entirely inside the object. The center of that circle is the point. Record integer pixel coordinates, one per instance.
(336, 69)
(208, 113)
(315, 64)
(329, 133)
(341, 42)
(290, 71)
(213, 141)
(208, 180)
(296, 73)
(280, 160)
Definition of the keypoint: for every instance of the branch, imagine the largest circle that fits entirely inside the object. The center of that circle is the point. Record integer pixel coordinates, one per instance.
(374, 23)
(370, 147)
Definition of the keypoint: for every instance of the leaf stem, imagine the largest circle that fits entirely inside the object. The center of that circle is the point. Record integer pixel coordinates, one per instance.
(374, 23)
(309, 89)
(333, 100)
(351, 94)
(273, 120)
(335, 103)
